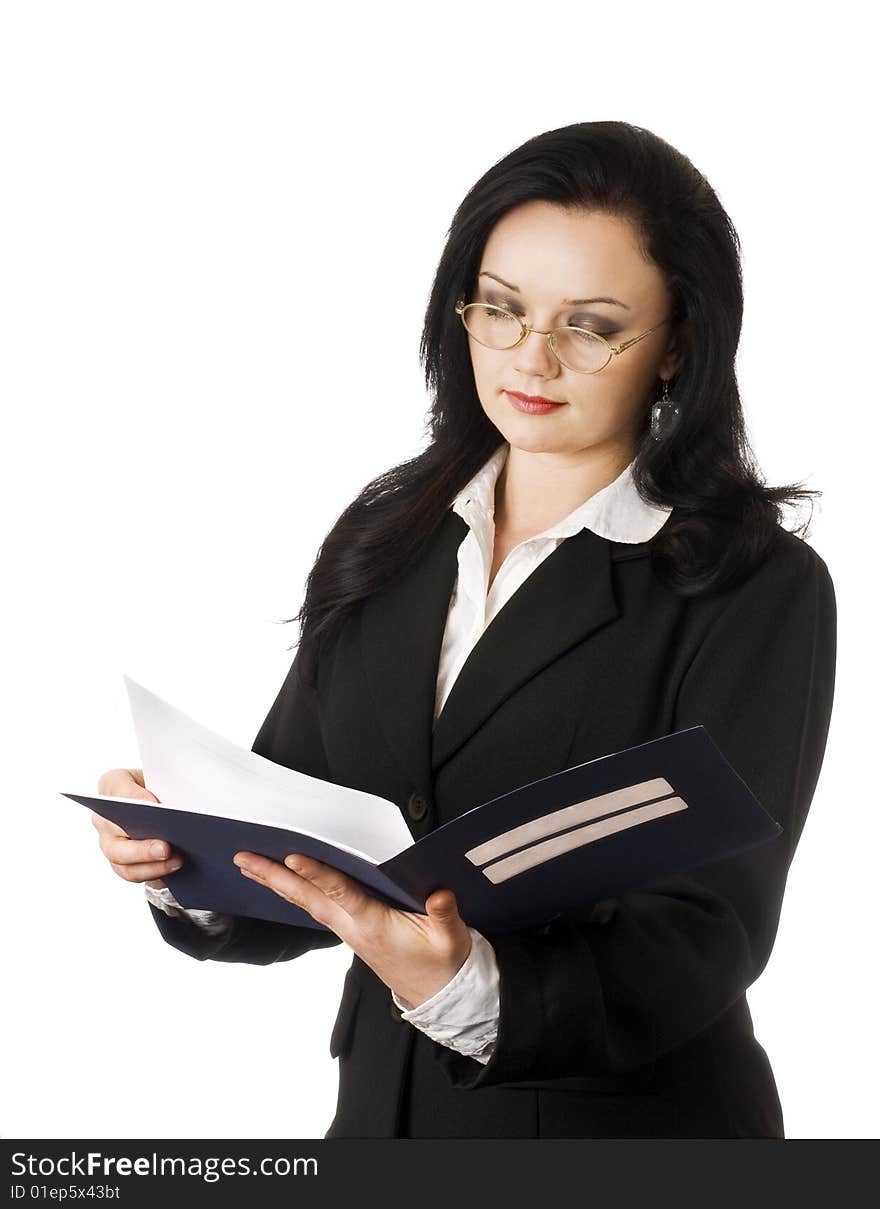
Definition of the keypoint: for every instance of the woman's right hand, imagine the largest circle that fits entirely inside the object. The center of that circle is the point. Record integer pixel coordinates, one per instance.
(132, 860)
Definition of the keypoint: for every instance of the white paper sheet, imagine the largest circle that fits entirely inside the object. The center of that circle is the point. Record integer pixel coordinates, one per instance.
(189, 767)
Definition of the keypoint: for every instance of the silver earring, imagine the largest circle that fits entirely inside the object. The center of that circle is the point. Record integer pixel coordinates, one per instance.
(663, 413)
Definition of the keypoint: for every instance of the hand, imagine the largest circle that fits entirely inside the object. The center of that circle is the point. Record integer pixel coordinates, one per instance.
(132, 860)
(414, 955)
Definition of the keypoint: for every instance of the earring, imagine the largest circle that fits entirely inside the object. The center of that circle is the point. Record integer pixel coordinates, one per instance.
(663, 413)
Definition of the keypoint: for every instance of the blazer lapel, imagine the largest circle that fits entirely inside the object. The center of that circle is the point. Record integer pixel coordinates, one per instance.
(401, 634)
(566, 598)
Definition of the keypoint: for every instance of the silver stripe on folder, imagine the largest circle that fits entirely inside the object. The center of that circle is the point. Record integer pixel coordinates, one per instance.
(537, 854)
(568, 816)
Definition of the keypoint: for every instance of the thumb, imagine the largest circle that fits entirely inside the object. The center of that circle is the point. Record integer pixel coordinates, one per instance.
(442, 907)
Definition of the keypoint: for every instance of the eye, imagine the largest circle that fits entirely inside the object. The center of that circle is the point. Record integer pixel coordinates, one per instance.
(504, 306)
(585, 328)
(589, 328)
(513, 308)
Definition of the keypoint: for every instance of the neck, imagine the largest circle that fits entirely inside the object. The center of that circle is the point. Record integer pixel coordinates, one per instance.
(535, 490)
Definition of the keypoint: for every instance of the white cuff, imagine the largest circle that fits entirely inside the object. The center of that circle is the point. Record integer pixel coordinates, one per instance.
(213, 922)
(463, 1014)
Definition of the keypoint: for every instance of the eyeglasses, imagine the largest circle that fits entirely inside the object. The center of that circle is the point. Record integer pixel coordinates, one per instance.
(577, 348)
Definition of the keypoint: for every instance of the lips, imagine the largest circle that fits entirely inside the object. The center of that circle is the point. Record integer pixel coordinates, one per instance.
(534, 398)
(532, 405)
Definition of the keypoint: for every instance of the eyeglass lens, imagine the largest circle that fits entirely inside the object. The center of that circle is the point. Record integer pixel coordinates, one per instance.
(497, 329)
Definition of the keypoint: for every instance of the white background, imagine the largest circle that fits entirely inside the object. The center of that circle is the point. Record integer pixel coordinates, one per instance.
(195, 197)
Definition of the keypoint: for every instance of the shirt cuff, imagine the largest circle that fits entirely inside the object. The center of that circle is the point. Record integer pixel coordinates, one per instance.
(212, 922)
(463, 1014)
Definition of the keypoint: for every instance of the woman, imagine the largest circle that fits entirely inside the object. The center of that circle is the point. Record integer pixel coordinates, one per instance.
(582, 559)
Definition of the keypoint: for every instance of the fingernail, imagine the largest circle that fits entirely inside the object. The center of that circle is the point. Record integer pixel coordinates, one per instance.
(158, 850)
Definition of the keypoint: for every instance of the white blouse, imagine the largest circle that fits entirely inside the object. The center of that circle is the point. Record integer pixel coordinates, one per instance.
(463, 1014)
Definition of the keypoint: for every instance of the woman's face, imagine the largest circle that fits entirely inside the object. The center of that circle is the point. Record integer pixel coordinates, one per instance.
(536, 256)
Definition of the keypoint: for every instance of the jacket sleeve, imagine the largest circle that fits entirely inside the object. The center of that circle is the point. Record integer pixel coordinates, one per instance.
(599, 992)
(290, 735)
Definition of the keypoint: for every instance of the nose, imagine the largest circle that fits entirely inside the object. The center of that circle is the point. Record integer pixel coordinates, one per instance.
(535, 358)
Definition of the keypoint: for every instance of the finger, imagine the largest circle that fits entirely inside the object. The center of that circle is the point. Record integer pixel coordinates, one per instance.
(146, 871)
(125, 783)
(296, 890)
(442, 909)
(338, 887)
(122, 850)
(107, 825)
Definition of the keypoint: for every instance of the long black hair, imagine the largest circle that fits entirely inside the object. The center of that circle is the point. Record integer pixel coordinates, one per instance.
(724, 517)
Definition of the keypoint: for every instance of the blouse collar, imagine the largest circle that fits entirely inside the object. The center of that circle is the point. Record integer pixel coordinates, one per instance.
(617, 512)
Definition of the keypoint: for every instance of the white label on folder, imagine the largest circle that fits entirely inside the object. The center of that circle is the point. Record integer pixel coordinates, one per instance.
(527, 858)
(569, 816)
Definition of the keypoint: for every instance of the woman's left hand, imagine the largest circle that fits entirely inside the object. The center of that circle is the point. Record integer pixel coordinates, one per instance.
(414, 955)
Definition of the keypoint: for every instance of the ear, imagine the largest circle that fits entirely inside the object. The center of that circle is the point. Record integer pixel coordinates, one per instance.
(673, 358)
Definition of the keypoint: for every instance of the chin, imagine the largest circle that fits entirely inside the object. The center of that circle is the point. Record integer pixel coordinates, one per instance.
(534, 434)
(535, 443)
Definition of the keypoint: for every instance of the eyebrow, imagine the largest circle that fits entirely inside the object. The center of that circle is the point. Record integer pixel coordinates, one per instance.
(567, 301)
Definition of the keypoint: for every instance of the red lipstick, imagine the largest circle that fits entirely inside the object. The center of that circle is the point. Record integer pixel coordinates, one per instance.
(535, 405)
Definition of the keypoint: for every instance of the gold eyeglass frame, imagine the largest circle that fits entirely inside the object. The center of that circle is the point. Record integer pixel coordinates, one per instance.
(614, 350)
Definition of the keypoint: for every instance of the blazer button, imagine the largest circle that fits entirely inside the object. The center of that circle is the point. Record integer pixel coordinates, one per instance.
(416, 806)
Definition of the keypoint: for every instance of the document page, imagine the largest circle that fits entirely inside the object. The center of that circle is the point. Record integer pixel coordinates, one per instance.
(189, 767)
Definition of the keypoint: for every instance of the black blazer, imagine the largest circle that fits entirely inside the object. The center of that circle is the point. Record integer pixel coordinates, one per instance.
(627, 1017)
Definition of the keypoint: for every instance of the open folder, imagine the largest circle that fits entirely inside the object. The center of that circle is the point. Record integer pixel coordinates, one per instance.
(588, 832)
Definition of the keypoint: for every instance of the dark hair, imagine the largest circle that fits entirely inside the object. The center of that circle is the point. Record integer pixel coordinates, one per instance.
(724, 519)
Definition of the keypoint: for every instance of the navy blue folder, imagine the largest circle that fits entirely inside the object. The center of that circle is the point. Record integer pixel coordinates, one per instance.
(592, 831)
